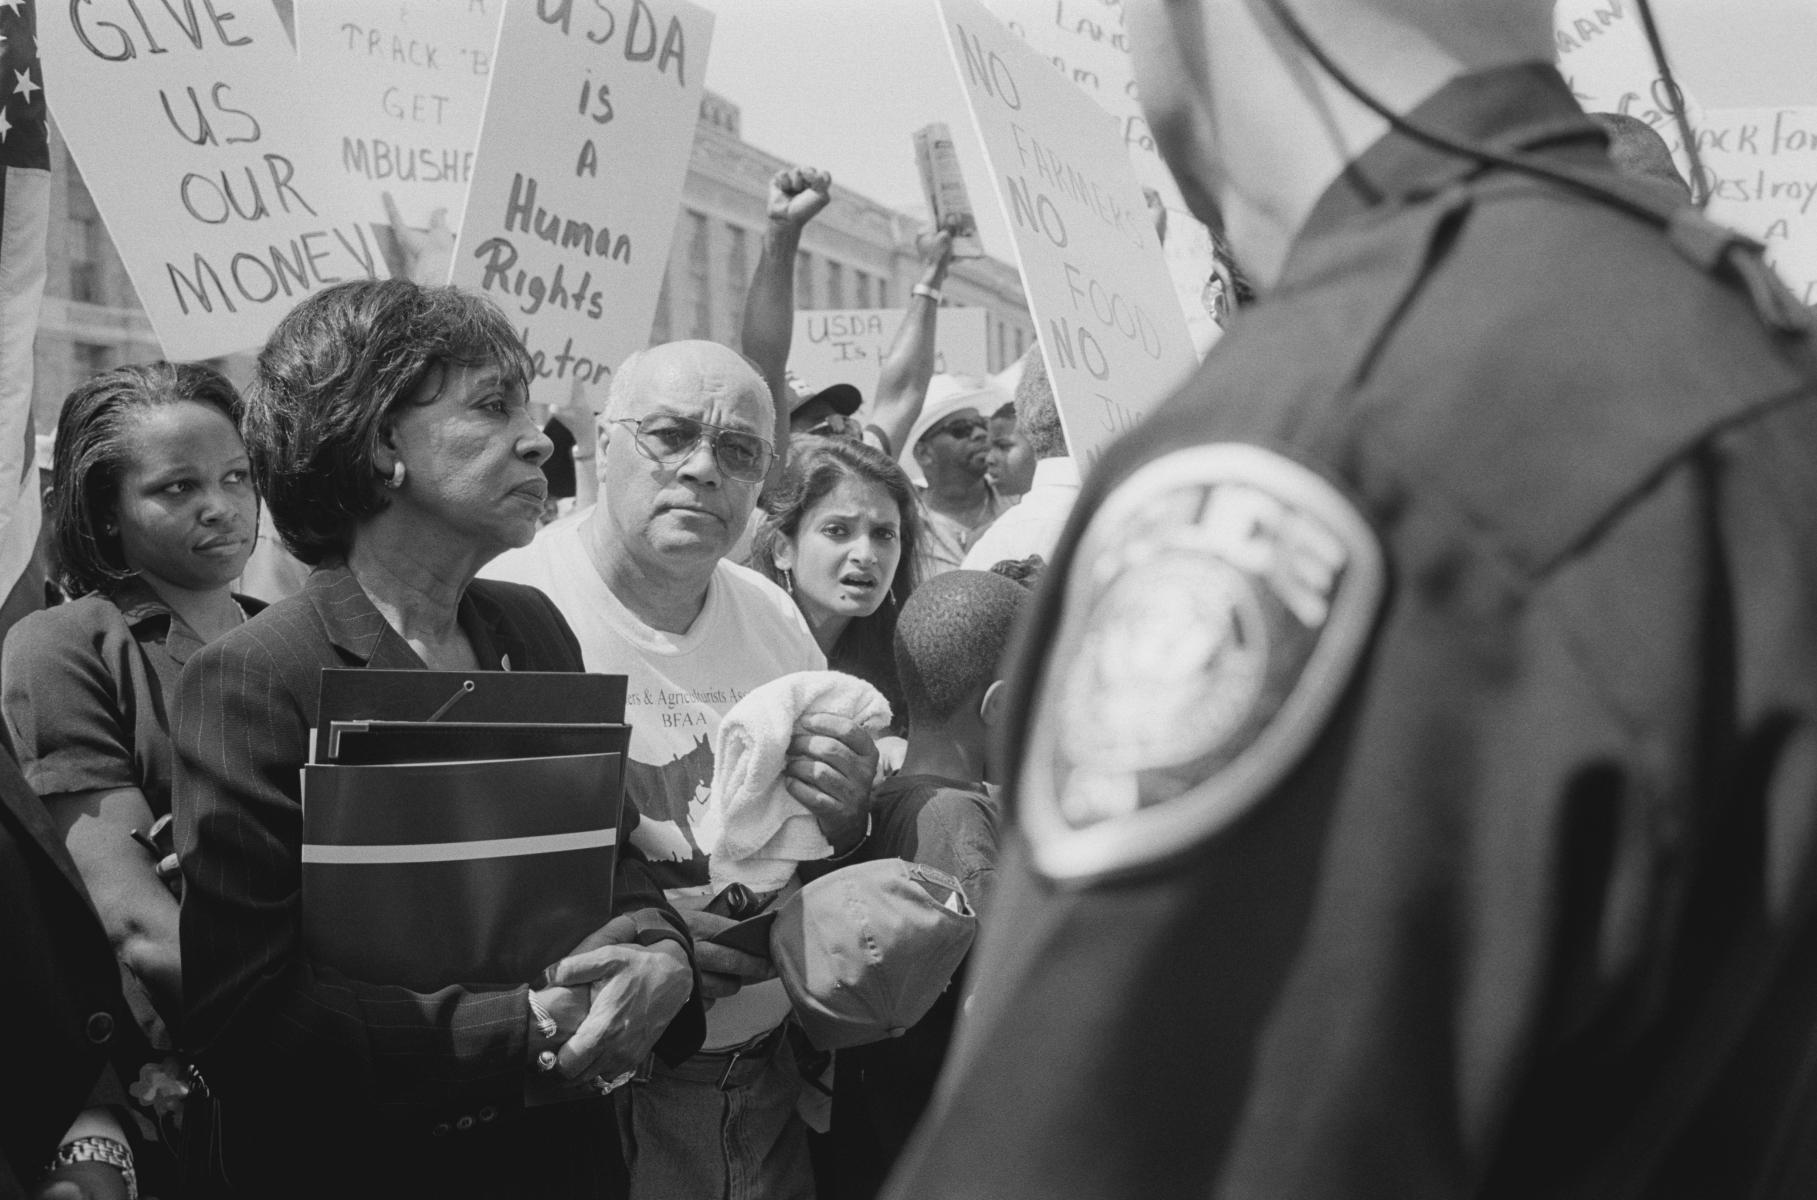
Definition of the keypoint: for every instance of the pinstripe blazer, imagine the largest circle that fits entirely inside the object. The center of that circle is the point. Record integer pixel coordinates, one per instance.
(313, 1067)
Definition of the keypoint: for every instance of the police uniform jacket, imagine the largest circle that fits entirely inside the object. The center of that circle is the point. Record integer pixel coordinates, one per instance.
(1416, 787)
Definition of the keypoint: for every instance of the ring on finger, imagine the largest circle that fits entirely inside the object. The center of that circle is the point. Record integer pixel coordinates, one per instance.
(606, 1087)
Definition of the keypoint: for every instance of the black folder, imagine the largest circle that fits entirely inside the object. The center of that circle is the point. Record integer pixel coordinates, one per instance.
(371, 742)
(478, 872)
(460, 826)
(518, 701)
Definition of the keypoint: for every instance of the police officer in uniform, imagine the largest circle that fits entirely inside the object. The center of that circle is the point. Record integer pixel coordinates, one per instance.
(1414, 784)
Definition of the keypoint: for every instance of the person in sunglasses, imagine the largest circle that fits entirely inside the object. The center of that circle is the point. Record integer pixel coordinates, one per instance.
(949, 457)
(644, 579)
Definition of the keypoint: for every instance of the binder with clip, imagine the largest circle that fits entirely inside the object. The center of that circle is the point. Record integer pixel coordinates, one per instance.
(460, 827)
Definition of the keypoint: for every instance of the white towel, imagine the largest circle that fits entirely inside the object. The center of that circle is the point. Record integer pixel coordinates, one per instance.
(753, 831)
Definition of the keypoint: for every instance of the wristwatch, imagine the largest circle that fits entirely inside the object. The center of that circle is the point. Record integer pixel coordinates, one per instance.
(102, 1150)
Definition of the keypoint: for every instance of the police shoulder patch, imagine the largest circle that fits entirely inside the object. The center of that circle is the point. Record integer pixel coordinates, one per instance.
(1218, 602)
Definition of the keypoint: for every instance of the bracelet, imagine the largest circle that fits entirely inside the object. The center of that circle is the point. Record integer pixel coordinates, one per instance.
(545, 1024)
(102, 1150)
(921, 289)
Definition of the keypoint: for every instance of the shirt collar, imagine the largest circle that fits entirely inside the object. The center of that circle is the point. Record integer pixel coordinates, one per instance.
(354, 626)
(137, 601)
(142, 607)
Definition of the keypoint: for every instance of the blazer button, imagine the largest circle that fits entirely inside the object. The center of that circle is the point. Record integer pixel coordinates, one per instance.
(489, 1113)
(100, 1028)
(442, 1130)
(464, 1124)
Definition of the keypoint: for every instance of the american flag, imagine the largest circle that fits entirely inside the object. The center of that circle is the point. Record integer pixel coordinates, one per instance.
(24, 226)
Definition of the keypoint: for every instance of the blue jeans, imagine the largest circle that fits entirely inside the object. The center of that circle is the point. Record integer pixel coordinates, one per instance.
(713, 1129)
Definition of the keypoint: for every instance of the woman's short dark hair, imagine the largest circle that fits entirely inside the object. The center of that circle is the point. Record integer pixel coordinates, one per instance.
(331, 377)
(817, 465)
(93, 444)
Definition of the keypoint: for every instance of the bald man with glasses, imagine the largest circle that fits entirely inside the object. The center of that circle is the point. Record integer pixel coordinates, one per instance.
(643, 578)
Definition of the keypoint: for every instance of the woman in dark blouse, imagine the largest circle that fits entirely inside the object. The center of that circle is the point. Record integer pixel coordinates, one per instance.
(152, 515)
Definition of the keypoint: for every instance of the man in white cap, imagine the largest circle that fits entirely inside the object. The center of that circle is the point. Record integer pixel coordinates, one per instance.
(948, 455)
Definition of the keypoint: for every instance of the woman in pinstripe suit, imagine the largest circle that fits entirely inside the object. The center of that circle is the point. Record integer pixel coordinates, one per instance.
(389, 433)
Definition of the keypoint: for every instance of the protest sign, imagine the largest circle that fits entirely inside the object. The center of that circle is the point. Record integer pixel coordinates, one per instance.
(1112, 335)
(1604, 57)
(589, 124)
(189, 123)
(847, 345)
(1086, 43)
(1760, 167)
(399, 89)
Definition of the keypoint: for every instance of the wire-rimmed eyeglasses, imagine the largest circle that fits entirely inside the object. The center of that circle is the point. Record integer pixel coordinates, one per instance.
(669, 439)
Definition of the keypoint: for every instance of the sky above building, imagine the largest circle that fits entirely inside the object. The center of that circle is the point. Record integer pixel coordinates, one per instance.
(844, 85)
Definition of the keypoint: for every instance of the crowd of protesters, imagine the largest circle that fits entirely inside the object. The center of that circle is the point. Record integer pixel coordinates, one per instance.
(731, 528)
(861, 578)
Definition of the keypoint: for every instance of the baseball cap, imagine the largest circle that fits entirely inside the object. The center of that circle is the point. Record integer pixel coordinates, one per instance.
(842, 398)
(865, 951)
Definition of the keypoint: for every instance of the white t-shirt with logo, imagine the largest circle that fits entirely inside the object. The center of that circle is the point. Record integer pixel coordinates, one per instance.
(678, 687)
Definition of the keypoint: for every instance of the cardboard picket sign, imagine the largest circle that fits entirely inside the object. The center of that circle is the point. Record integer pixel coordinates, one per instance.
(1086, 43)
(1113, 336)
(588, 128)
(399, 89)
(1759, 164)
(1760, 167)
(186, 122)
(1604, 57)
(847, 345)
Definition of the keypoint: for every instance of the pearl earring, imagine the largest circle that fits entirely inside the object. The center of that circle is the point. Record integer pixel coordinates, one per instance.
(397, 476)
